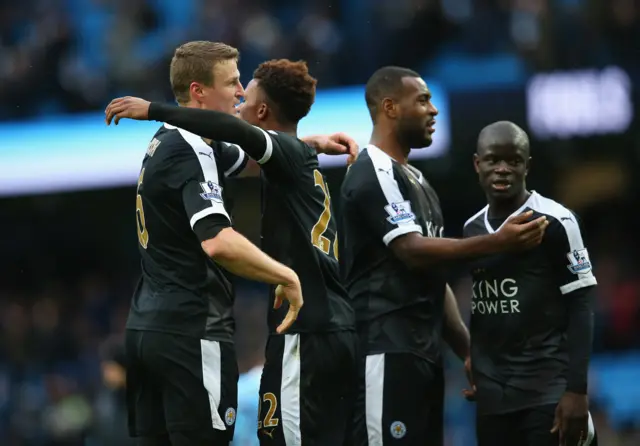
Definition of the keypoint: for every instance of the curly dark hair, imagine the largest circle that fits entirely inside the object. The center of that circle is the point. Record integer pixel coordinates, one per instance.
(289, 87)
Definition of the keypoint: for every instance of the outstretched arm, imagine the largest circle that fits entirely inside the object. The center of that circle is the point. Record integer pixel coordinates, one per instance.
(215, 125)
(205, 123)
(417, 251)
(222, 127)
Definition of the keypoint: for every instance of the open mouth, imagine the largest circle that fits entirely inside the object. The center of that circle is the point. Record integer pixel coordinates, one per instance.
(430, 126)
(501, 185)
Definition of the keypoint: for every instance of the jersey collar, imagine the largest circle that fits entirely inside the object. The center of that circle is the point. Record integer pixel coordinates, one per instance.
(413, 171)
(527, 204)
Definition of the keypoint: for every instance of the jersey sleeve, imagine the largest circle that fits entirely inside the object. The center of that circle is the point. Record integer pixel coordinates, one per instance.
(383, 203)
(197, 175)
(569, 254)
(233, 160)
(284, 155)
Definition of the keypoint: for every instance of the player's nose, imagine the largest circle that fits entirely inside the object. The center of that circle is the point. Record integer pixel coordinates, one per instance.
(502, 167)
(239, 91)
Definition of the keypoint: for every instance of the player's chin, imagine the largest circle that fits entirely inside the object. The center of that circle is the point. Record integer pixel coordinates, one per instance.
(423, 142)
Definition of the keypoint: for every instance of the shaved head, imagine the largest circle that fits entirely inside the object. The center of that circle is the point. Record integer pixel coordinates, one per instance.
(502, 162)
(503, 133)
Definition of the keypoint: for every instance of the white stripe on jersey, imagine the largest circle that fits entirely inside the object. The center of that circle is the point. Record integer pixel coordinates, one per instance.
(383, 167)
(209, 172)
(238, 162)
(268, 151)
(477, 214)
(554, 209)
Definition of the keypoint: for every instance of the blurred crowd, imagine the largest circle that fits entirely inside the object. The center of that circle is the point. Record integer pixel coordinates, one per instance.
(74, 55)
(62, 367)
(65, 285)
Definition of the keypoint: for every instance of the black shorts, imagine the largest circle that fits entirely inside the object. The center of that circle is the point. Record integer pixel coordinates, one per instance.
(400, 401)
(527, 427)
(307, 390)
(181, 387)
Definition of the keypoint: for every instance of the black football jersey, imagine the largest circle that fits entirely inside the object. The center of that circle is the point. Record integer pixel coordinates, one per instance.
(182, 290)
(519, 313)
(298, 224)
(397, 309)
(299, 229)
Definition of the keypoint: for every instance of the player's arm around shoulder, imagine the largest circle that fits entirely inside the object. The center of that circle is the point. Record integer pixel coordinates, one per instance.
(334, 144)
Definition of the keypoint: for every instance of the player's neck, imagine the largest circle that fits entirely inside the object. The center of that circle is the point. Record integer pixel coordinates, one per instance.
(289, 129)
(504, 208)
(389, 144)
(201, 106)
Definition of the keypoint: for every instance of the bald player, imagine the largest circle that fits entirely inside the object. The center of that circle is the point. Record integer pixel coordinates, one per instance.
(532, 312)
(392, 260)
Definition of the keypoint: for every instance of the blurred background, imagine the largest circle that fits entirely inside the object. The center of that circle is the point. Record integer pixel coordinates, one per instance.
(566, 70)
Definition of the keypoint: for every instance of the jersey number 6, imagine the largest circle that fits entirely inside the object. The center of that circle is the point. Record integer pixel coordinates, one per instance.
(317, 232)
(143, 235)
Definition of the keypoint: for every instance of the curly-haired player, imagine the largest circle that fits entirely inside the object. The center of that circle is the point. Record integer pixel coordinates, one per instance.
(309, 379)
(285, 87)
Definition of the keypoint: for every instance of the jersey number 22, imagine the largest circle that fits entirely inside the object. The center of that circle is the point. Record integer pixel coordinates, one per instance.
(317, 232)
(143, 235)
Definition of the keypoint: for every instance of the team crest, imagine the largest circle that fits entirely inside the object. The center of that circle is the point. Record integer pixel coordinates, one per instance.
(212, 191)
(230, 416)
(398, 430)
(579, 261)
(399, 212)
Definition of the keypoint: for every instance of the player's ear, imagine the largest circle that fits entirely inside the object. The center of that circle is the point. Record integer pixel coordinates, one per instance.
(476, 162)
(263, 111)
(389, 107)
(527, 166)
(196, 92)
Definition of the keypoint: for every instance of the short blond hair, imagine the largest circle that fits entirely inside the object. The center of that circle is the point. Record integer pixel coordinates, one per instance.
(194, 62)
